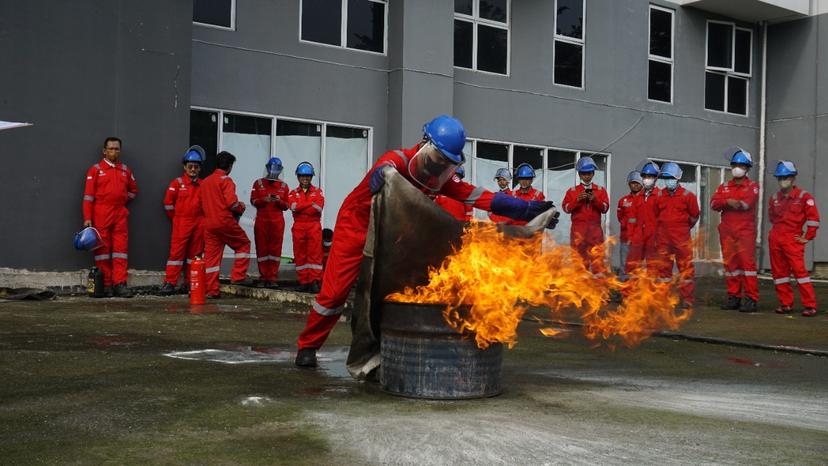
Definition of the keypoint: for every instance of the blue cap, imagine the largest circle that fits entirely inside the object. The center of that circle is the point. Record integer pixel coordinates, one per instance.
(650, 168)
(305, 169)
(634, 177)
(585, 165)
(460, 172)
(742, 157)
(785, 168)
(525, 170)
(448, 135)
(194, 154)
(671, 170)
(88, 239)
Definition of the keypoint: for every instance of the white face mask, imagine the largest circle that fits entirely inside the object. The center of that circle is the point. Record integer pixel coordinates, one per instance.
(648, 183)
(671, 184)
(586, 185)
(786, 183)
(738, 172)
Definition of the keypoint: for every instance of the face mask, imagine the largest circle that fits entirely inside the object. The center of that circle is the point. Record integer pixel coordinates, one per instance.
(649, 183)
(785, 184)
(586, 185)
(738, 172)
(671, 184)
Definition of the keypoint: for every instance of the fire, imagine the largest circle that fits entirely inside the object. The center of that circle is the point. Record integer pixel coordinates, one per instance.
(489, 283)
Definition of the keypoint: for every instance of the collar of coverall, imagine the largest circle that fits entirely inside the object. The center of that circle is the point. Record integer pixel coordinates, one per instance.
(111, 164)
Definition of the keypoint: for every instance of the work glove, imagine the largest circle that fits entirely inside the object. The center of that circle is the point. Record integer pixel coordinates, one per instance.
(378, 178)
(518, 209)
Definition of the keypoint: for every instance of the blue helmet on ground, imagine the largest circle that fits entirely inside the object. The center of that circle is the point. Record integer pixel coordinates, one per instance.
(448, 136)
(650, 168)
(305, 169)
(785, 168)
(671, 170)
(460, 172)
(634, 177)
(740, 156)
(194, 154)
(503, 173)
(585, 165)
(88, 239)
(525, 170)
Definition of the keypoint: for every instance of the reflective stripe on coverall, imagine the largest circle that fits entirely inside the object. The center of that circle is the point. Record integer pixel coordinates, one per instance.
(789, 214)
(737, 236)
(585, 232)
(221, 205)
(182, 204)
(269, 227)
(678, 212)
(307, 232)
(109, 187)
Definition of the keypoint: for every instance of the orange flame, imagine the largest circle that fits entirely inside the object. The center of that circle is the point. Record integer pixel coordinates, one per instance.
(494, 280)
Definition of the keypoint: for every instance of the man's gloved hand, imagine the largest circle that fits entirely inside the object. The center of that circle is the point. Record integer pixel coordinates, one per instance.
(554, 222)
(518, 209)
(377, 178)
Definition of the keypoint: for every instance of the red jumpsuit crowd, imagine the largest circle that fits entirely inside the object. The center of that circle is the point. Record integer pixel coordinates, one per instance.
(221, 227)
(182, 204)
(586, 233)
(270, 197)
(306, 206)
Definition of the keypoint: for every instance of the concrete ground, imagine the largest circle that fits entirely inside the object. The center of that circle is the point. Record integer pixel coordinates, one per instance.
(153, 380)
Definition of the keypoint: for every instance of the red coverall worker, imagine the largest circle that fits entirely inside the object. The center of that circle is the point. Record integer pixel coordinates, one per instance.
(269, 227)
(499, 218)
(182, 204)
(789, 214)
(586, 233)
(678, 212)
(625, 213)
(458, 210)
(737, 235)
(307, 233)
(530, 194)
(221, 205)
(109, 187)
(643, 232)
(351, 229)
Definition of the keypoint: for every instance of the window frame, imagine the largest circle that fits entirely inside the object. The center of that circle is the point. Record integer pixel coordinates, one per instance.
(659, 58)
(571, 40)
(223, 28)
(343, 30)
(476, 20)
(729, 72)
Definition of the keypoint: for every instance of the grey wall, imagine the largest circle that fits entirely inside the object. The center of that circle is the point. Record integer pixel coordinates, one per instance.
(797, 110)
(81, 71)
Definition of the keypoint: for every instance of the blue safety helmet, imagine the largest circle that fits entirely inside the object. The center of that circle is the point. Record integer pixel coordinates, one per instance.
(305, 169)
(460, 172)
(634, 177)
(88, 239)
(670, 170)
(448, 136)
(741, 156)
(585, 165)
(274, 164)
(785, 168)
(194, 154)
(503, 173)
(650, 168)
(525, 170)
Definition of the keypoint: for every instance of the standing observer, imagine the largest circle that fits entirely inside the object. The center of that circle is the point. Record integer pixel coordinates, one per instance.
(306, 203)
(587, 202)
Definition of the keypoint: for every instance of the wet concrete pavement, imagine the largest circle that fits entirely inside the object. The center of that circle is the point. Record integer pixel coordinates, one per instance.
(152, 380)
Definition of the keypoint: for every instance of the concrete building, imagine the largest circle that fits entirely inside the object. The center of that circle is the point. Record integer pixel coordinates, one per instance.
(338, 83)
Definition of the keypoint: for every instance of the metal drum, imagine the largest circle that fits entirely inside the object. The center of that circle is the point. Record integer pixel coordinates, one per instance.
(422, 357)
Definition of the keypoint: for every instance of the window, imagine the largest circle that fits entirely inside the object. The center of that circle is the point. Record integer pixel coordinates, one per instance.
(481, 35)
(660, 73)
(353, 24)
(569, 43)
(728, 67)
(215, 13)
(204, 132)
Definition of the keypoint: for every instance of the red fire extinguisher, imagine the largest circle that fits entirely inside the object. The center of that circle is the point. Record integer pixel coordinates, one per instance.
(197, 280)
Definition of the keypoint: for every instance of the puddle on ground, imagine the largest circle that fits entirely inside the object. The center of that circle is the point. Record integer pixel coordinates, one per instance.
(186, 308)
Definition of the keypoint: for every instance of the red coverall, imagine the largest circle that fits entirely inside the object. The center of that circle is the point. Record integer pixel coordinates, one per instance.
(500, 218)
(182, 204)
(351, 229)
(109, 187)
(458, 210)
(531, 194)
(643, 232)
(218, 198)
(307, 232)
(678, 211)
(737, 235)
(586, 232)
(789, 214)
(269, 228)
(625, 213)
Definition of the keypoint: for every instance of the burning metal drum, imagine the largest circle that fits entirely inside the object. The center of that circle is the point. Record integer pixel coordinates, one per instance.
(422, 357)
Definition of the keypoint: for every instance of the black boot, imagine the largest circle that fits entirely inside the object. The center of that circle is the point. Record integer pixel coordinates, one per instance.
(306, 358)
(121, 291)
(314, 287)
(749, 305)
(167, 289)
(733, 303)
(107, 292)
(246, 282)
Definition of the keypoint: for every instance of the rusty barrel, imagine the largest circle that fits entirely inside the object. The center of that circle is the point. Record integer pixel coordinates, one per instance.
(422, 357)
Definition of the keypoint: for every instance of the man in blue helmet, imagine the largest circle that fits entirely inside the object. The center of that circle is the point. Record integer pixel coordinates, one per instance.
(525, 174)
(430, 165)
(306, 203)
(625, 212)
(458, 210)
(587, 202)
(737, 200)
(182, 204)
(269, 196)
(791, 210)
(642, 236)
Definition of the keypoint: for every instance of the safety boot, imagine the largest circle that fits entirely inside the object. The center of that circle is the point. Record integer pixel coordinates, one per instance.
(749, 305)
(213, 296)
(107, 292)
(783, 310)
(167, 289)
(314, 287)
(246, 282)
(121, 291)
(306, 357)
(272, 285)
(733, 303)
(809, 312)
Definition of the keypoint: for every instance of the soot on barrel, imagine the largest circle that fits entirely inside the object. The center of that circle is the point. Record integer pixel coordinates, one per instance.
(422, 357)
